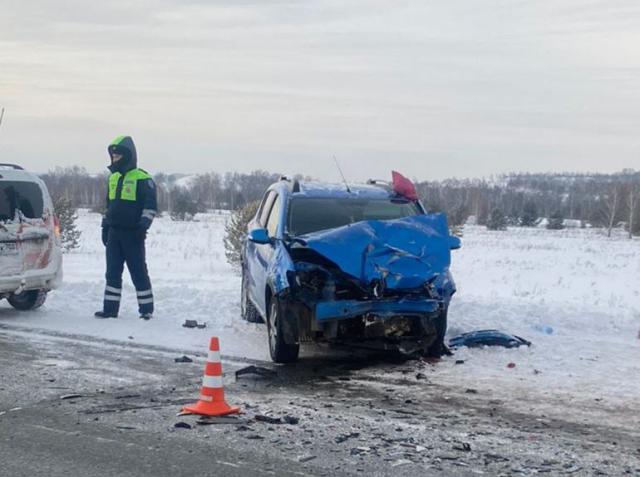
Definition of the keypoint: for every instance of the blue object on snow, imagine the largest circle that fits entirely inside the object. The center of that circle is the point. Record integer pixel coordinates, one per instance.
(475, 339)
(546, 329)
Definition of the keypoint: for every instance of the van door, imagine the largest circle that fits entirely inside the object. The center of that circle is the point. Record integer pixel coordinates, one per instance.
(26, 240)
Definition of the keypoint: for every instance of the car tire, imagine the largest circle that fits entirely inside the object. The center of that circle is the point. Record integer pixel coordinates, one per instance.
(281, 352)
(437, 348)
(28, 300)
(247, 309)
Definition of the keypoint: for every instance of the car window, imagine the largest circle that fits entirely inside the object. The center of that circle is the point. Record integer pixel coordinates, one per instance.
(274, 217)
(25, 197)
(308, 215)
(265, 207)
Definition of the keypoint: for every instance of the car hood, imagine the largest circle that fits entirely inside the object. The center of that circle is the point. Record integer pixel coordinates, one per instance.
(399, 254)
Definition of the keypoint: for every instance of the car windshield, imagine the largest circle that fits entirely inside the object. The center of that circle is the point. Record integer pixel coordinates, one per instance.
(23, 196)
(308, 215)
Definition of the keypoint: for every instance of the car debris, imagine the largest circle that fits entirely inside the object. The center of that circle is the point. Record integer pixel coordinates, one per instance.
(475, 339)
(70, 396)
(193, 324)
(258, 370)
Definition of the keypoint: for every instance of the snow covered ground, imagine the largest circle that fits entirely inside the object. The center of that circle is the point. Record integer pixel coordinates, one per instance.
(575, 294)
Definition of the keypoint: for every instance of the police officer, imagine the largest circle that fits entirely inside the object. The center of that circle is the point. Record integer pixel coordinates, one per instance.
(131, 208)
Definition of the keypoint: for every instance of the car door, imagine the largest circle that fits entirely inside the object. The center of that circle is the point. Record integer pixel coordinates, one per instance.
(265, 252)
(253, 266)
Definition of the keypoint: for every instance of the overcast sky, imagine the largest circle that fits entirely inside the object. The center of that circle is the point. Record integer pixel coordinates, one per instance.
(435, 89)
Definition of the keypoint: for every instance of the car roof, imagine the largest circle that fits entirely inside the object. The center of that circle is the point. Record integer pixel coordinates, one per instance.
(9, 173)
(323, 190)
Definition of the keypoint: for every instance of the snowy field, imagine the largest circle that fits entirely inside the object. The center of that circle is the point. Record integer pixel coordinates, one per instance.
(575, 294)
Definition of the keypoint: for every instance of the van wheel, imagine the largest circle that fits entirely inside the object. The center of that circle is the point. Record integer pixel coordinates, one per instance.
(28, 300)
(280, 351)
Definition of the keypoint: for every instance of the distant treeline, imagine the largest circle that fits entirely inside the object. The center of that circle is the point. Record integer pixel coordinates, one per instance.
(599, 200)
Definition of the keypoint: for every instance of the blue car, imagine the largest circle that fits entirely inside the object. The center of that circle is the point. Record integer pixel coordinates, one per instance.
(351, 264)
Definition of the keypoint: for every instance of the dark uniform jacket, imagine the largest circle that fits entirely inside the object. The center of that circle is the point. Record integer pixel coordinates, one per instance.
(131, 195)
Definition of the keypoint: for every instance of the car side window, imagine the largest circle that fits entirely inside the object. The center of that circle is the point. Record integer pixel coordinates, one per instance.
(265, 207)
(274, 217)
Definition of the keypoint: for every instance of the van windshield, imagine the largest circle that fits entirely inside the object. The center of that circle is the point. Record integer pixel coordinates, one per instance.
(25, 197)
(308, 215)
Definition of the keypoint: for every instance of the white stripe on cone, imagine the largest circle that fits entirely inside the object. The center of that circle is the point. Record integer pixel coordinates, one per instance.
(212, 381)
(213, 356)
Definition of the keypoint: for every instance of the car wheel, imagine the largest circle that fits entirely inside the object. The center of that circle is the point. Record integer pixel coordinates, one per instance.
(247, 309)
(437, 348)
(28, 300)
(280, 351)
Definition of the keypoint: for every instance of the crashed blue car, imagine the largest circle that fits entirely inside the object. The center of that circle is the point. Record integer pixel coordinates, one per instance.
(358, 265)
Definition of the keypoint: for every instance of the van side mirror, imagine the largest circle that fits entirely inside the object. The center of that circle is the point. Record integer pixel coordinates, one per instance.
(454, 242)
(259, 236)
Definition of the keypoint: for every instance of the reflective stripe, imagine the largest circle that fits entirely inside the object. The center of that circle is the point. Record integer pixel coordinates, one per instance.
(111, 298)
(113, 290)
(144, 292)
(117, 140)
(213, 356)
(145, 301)
(206, 398)
(212, 381)
(149, 213)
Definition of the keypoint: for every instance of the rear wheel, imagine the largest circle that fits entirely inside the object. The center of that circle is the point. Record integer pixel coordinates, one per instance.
(28, 300)
(247, 309)
(281, 352)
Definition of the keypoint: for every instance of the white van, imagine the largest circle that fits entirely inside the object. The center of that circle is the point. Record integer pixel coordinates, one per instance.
(30, 248)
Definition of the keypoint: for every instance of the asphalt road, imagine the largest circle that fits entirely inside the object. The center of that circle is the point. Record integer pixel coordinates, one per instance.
(355, 416)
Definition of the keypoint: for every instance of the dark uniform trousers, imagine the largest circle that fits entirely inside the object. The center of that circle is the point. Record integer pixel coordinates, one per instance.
(126, 246)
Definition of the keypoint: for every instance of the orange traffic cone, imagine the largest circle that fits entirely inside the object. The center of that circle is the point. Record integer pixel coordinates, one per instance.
(212, 401)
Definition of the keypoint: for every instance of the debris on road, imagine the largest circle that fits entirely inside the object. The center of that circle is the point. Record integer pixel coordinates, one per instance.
(511, 365)
(259, 370)
(268, 419)
(306, 458)
(211, 420)
(183, 359)
(70, 396)
(182, 425)
(478, 338)
(345, 437)
(463, 446)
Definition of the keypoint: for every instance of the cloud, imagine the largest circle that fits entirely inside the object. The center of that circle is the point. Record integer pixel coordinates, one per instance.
(442, 88)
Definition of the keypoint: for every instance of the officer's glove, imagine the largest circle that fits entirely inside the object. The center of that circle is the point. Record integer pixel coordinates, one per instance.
(145, 223)
(105, 235)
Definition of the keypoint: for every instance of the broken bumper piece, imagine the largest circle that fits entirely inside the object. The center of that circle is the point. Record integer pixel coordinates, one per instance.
(343, 309)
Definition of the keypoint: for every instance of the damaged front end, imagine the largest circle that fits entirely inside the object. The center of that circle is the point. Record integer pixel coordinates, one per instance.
(382, 284)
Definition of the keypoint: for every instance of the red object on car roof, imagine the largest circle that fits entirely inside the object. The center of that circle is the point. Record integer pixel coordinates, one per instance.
(403, 186)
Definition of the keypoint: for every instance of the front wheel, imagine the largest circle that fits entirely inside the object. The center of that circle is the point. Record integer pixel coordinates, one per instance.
(27, 300)
(281, 352)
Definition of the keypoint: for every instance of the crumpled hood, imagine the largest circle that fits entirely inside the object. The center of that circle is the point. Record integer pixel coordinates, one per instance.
(402, 254)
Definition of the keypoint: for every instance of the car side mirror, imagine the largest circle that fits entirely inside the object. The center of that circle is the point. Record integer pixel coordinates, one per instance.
(260, 236)
(454, 242)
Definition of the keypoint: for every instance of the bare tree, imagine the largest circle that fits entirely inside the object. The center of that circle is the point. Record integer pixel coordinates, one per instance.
(610, 206)
(632, 200)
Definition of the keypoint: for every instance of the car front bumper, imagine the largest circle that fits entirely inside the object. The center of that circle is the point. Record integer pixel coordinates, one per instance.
(343, 309)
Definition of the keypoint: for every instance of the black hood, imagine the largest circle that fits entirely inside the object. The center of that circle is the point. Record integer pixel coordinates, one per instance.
(123, 145)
